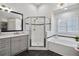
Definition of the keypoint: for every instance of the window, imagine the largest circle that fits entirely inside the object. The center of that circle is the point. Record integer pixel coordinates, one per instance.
(68, 25)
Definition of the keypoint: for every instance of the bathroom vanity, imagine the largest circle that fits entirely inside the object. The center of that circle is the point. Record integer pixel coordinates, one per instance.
(13, 44)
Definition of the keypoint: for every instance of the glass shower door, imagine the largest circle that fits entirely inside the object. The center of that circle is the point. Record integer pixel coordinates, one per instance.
(37, 31)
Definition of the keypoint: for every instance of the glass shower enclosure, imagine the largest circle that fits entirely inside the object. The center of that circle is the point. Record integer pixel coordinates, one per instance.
(37, 27)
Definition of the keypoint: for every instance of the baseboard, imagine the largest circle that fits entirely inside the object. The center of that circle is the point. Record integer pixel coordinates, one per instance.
(37, 48)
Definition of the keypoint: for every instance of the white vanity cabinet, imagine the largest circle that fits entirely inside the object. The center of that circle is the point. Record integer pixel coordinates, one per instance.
(4, 46)
(18, 44)
(13, 44)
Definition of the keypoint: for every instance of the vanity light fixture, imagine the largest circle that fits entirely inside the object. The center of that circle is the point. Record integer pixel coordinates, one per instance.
(0, 8)
(3, 5)
(6, 9)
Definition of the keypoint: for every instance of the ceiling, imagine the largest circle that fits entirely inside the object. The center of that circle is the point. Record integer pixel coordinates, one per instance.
(35, 9)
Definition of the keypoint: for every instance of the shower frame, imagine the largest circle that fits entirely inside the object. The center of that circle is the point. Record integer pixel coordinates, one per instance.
(45, 34)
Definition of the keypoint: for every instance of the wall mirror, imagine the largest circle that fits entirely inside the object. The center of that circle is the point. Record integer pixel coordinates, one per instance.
(10, 22)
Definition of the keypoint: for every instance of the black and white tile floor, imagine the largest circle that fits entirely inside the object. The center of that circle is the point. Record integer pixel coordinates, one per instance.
(38, 53)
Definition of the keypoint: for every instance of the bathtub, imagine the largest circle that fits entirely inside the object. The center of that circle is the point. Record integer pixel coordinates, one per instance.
(63, 46)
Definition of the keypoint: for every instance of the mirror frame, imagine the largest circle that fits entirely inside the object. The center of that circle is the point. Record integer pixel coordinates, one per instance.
(21, 22)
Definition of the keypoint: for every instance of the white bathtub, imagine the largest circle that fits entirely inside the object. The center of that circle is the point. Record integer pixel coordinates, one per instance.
(62, 45)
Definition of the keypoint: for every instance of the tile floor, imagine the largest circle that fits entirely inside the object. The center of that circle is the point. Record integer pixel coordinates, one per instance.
(38, 53)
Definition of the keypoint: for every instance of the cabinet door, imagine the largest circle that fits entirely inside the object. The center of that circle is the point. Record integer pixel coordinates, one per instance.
(5, 47)
(26, 41)
(23, 43)
(15, 45)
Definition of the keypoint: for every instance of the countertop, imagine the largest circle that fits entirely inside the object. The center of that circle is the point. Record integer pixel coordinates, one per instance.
(11, 35)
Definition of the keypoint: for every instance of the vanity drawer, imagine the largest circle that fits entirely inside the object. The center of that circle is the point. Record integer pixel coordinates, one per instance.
(7, 40)
(4, 47)
(4, 52)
